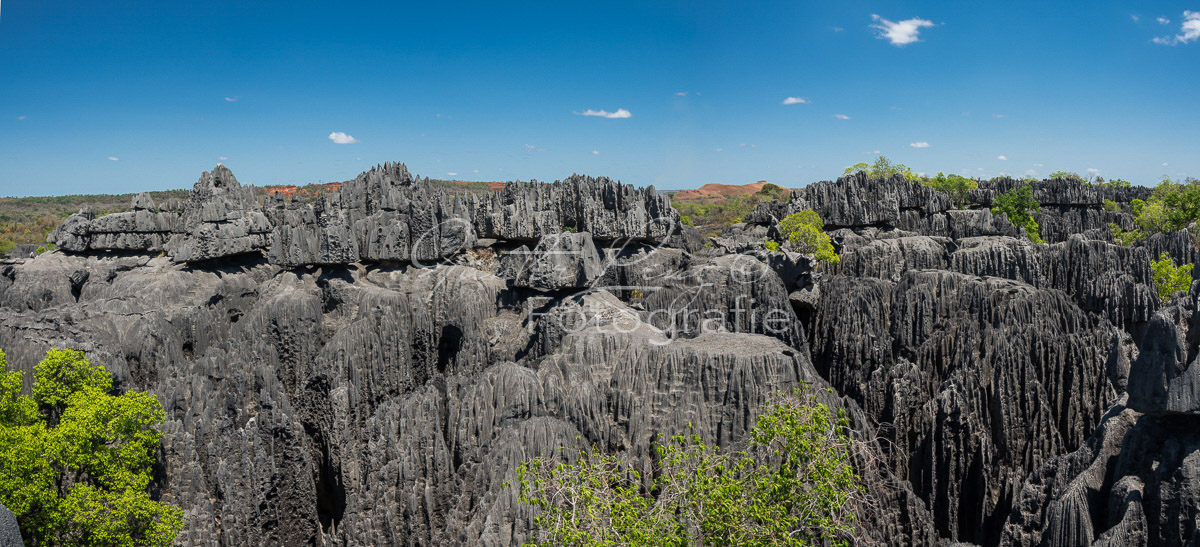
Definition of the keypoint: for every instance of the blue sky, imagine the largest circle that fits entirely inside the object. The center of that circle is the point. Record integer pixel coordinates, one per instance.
(146, 95)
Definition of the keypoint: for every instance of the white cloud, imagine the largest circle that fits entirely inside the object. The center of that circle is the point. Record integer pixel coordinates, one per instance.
(1002, 157)
(900, 33)
(595, 152)
(681, 94)
(476, 171)
(1135, 17)
(341, 138)
(841, 116)
(720, 150)
(453, 174)
(20, 117)
(795, 100)
(1189, 31)
(875, 152)
(111, 158)
(838, 29)
(1164, 164)
(1093, 171)
(1164, 21)
(222, 158)
(231, 99)
(1031, 172)
(621, 113)
(532, 148)
(998, 116)
(1038, 165)
(919, 144)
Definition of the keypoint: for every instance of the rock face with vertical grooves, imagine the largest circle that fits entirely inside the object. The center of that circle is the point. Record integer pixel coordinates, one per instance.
(372, 367)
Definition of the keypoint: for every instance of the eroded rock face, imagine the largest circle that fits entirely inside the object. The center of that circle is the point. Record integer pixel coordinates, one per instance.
(371, 368)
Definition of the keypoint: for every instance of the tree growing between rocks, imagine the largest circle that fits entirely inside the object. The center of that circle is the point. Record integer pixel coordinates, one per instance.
(76, 460)
(792, 485)
(805, 231)
(1169, 278)
(1019, 205)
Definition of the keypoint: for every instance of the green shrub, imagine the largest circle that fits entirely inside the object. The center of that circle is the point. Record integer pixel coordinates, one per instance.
(771, 245)
(1067, 175)
(1169, 278)
(792, 485)
(77, 461)
(1020, 205)
(957, 186)
(1125, 237)
(687, 220)
(805, 232)
(1111, 206)
(883, 168)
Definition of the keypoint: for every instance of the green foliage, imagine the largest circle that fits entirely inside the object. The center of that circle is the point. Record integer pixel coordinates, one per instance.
(1170, 278)
(771, 245)
(791, 485)
(1125, 237)
(805, 232)
(957, 186)
(78, 460)
(775, 192)
(1118, 183)
(883, 168)
(729, 210)
(1020, 205)
(1067, 175)
(1111, 206)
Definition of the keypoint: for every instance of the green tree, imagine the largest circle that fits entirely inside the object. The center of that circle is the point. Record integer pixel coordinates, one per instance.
(1169, 278)
(1019, 204)
(806, 233)
(78, 460)
(1067, 175)
(883, 168)
(1125, 237)
(792, 485)
(959, 187)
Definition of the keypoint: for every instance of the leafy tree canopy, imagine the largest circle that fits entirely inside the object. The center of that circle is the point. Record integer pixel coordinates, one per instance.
(1169, 278)
(1019, 204)
(793, 485)
(77, 459)
(883, 168)
(806, 233)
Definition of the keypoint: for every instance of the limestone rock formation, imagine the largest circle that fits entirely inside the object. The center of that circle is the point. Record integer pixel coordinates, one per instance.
(10, 534)
(371, 368)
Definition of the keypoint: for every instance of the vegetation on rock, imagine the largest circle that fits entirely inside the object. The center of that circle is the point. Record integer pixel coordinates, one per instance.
(1169, 278)
(805, 232)
(1019, 205)
(77, 460)
(957, 186)
(883, 168)
(793, 484)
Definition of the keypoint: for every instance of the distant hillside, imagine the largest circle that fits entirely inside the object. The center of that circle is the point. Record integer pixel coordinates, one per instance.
(714, 205)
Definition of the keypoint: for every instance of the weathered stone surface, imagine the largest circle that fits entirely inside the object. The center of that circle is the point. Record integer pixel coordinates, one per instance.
(371, 368)
(559, 261)
(10, 534)
(858, 200)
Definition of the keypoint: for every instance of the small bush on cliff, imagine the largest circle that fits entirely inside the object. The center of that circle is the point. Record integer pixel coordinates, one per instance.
(1170, 278)
(1020, 205)
(957, 186)
(805, 232)
(793, 485)
(75, 461)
